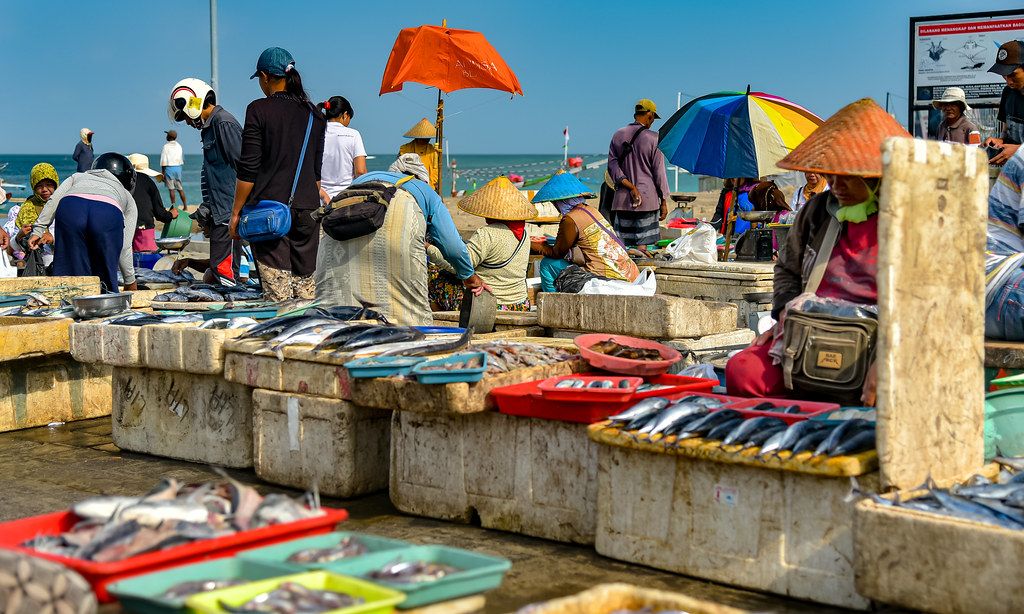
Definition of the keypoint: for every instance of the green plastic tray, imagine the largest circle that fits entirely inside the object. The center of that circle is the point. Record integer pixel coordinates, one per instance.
(277, 553)
(141, 594)
(480, 572)
(256, 313)
(379, 600)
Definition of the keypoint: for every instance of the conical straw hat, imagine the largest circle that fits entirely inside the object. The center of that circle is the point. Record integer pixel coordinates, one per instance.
(848, 143)
(422, 130)
(499, 200)
(561, 186)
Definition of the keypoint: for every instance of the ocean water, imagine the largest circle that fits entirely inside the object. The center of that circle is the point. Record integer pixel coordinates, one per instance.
(471, 169)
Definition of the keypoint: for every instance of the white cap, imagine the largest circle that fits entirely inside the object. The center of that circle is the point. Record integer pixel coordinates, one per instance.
(952, 94)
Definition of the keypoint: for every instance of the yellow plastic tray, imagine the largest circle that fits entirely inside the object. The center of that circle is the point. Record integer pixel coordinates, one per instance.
(379, 600)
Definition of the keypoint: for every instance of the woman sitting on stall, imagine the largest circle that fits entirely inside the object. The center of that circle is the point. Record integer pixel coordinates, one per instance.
(389, 266)
(44, 181)
(498, 251)
(846, 150)
(582, 226)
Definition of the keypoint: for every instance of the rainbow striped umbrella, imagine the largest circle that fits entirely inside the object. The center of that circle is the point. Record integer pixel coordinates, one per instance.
(735, 134)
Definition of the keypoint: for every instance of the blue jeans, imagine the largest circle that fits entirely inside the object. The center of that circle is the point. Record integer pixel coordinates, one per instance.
(1004, 319)
(88, 236)
(549, 270)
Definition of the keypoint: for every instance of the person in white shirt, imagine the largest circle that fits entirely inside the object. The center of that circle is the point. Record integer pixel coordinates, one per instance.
(344, 155)
(171, 161)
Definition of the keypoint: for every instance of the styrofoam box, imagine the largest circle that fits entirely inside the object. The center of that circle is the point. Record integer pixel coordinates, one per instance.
(924, 561)
(118, 346)
(304, 377)
(188, 416)
(524, 475)
(301, 440)
(37, 391)
(782, 532)
(656, 317)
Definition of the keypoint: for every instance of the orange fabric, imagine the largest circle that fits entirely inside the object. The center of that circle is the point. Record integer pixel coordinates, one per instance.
(447, 59)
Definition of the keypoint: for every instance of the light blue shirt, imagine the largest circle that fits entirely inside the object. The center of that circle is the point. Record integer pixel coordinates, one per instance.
(439, 221)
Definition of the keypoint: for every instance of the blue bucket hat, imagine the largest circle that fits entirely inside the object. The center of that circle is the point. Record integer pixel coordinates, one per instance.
(560, 187)
(274, 61)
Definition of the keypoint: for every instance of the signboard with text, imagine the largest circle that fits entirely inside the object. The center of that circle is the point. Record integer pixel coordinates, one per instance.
(957, 50)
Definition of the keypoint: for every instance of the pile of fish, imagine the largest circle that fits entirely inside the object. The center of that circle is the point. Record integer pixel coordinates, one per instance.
(619, 350)
(116, 528)
(347, 548)
(344, 334)
(191, 587)
(209, 293)
(463, 362)
(505, 356)
(999, 503)
(147, 277)
(38, 305)
(597, 383)
(294, 598)
(657, 419)
(412, 572)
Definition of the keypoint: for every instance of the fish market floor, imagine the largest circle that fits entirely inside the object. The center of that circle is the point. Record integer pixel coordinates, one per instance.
(47, 469)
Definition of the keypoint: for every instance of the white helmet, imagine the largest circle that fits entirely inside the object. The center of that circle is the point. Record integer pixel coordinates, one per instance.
(187, 99)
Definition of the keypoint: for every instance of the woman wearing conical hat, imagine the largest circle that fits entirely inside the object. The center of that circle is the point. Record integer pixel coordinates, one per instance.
(499, 251)
(420, 144)
(846, 150)
(584, 227)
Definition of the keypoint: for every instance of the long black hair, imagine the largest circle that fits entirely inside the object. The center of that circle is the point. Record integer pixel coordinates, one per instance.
(335, 107)
(293, 85)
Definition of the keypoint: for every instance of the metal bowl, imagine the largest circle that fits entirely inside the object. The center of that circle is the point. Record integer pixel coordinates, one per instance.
(101, 305)
(756, 216)
(173, 242)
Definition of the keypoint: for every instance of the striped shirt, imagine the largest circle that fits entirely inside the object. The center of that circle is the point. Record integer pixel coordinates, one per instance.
(1005, 244)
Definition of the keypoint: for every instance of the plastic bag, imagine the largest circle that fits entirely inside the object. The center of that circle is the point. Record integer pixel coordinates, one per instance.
(573, 278)
(696, 245)
(701, 369)
(644, 285)
(6, 268)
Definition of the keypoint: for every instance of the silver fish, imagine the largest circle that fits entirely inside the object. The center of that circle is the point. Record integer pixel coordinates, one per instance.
(644, 407)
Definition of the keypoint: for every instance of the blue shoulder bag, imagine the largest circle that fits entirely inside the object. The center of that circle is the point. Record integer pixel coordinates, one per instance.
(270, 219)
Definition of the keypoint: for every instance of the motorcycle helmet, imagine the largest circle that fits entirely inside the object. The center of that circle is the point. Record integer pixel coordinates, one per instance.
(118, 166)
(187, 99)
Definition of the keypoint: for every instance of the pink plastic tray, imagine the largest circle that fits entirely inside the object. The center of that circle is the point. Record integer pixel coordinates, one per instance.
(550, 391)
(626, 366)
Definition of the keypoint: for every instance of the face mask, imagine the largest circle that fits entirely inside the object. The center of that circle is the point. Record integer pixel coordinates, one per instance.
(856, 214)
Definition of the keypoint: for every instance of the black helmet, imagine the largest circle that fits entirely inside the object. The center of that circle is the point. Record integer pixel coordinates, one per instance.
(119, 167)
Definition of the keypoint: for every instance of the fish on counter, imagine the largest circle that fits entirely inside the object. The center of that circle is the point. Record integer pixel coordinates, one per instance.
(999, 503)
(138, 318)
(599, 383)
(506, 356)
(412, 572)
(294, 598)
(229, 323)
(349, 547)
(473, 362)
(116, 528)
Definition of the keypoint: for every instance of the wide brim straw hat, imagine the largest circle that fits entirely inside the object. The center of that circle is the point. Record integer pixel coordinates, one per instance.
(422, 130)
(561, 186)
(848, 143)
(141, 164)
(952, 94)
(499, 200)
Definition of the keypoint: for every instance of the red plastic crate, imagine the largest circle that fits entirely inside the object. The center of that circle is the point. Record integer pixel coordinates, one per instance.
(525, 399)
(549, 390)
(99, 575)
(808, 409)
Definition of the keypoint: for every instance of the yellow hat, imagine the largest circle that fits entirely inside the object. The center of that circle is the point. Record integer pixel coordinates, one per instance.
(499, 200)
(646, 105)
(422, 130)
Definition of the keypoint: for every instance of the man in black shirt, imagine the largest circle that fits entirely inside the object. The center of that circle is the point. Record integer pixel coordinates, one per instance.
(1010, 65)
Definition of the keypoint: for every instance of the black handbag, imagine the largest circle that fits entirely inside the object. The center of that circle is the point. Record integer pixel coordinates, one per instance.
(358, 210)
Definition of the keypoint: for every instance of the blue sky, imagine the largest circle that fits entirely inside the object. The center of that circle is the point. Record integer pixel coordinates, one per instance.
(110, 66)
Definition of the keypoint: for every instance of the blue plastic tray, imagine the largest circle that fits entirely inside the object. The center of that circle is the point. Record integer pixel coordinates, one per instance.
(440, 330)
(142, 593)
(480, 572)
(448, 376)
(278, 554)
(13, 300)
(382, 367)
(256, 313)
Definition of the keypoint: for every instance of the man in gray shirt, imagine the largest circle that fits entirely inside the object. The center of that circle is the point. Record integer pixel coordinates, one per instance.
(195, 103)
(637, 167)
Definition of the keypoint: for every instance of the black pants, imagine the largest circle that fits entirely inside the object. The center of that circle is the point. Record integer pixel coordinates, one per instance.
(294, 252)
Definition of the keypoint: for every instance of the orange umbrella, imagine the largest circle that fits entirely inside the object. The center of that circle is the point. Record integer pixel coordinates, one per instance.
(448, 59)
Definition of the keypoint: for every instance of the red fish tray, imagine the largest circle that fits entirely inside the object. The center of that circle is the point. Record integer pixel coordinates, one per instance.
(549, 389)
(99, 575)
(527, 400)
(808, 409)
